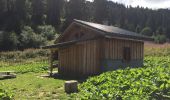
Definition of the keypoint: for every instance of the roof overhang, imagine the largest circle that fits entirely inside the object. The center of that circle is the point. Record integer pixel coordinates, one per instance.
(127, 37)
(64, 44)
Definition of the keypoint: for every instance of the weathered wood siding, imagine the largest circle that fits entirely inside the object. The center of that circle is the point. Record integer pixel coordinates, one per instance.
(113, 54)
(114, 48)
(80, 59)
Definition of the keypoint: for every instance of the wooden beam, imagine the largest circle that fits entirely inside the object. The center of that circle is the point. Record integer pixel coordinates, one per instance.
(51, 63)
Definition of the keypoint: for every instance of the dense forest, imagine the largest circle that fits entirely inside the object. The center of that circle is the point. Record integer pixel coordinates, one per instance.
(31, 23)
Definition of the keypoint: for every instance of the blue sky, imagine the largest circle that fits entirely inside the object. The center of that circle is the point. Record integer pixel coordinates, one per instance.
(155, 4)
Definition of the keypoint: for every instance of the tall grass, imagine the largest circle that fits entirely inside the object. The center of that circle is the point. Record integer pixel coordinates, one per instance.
(23, 57)
(152, 49)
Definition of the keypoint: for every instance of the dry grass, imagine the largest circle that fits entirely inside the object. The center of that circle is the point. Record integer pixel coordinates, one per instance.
(152, 49)
(23, 57)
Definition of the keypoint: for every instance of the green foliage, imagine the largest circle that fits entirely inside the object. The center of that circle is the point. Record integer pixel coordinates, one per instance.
(29, 53)
(29, 39)
(23, 57)
(75, 9)
(100, 10)
(138, 28)
(4, 95)
(149, 82)
(161, 30)
(54, 8)
(38, 12)
(35, 67)
(14, 14)
(47, 31)
(159, 38)
(30, 86)
(147, 31)
(8, 41)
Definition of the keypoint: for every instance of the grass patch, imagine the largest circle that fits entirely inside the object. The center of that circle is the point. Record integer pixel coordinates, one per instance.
(31, 86)
(28, 67)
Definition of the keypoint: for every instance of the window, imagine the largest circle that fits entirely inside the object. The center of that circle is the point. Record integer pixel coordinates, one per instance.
(126, 54)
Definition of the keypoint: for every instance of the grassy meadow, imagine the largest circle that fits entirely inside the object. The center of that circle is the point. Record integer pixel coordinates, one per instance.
(29, 66)
(152, 81)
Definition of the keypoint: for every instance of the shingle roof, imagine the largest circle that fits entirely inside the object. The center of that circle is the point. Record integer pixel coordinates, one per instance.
(112, 31)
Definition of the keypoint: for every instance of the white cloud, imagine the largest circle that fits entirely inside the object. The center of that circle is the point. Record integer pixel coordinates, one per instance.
(150, 3)
(145, 3)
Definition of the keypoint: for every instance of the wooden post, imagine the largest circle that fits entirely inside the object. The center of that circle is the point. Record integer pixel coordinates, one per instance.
(71, 86)
(51, 63)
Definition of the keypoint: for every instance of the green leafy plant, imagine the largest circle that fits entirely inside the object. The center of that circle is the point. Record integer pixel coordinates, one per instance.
(5, 95)
(150, 82)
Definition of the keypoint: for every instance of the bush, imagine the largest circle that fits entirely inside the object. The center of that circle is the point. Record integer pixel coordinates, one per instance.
(29, 53)
(47, 31)
(160, 38)
(8, 41)
(13, 58)
(147, 31)
(29, 39)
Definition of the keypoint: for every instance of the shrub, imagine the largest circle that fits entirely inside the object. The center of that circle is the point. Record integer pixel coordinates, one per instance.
(29, 53)
(147, 31)
(8, 41)
(29, 39)
(160, 38)
(13, 58)
(47, 31)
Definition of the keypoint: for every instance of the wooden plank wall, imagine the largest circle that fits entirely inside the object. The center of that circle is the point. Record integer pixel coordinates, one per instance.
(80, 59)
(114, 48)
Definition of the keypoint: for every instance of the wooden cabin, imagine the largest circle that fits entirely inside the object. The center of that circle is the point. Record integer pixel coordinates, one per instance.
(87, 48)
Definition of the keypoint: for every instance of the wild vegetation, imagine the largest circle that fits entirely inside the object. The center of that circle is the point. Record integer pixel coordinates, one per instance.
(5, 95)
(28, 56)
(149, 82)
(30, 23)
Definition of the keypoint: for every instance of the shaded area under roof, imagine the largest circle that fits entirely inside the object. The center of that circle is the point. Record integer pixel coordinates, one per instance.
(114, 31)
(59, 45)
(63, 44)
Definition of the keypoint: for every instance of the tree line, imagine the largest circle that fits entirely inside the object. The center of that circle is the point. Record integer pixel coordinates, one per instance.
(30, 23)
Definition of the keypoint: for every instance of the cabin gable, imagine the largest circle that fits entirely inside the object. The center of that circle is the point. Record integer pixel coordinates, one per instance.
(78, 32)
